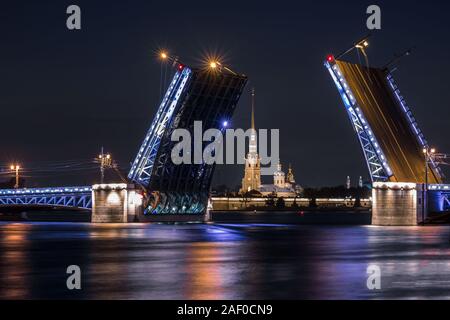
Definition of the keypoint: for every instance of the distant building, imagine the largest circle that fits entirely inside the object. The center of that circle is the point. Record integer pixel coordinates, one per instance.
(283, 186)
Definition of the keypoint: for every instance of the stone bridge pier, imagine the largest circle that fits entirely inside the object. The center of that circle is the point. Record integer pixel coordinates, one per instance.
(396, 204)
(115, 203)
(406, 204)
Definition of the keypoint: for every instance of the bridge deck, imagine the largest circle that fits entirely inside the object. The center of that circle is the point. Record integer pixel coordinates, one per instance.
(74, 197)
(388, 122)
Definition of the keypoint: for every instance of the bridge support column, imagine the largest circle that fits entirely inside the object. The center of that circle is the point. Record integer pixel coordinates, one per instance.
(115, 203)
(396, 204)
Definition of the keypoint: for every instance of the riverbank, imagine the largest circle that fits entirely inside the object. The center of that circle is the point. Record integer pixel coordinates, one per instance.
(315, 216)
(301, 216)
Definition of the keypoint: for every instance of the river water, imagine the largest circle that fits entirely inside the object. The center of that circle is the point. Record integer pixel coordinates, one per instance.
(222, 261)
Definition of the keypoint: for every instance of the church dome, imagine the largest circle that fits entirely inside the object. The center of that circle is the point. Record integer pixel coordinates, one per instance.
(279, 172)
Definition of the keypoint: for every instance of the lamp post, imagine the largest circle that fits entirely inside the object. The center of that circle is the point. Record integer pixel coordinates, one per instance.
(163, 57)
(105, 162)
(16, 168)
(428, 154)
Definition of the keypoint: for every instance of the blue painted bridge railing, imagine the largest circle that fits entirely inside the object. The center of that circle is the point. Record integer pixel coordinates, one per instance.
(72, 197)
(439, 197)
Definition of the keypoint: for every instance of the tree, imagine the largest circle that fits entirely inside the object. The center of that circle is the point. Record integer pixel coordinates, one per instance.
(295, 204)
(311, 193)
(280, 203)
(270, 202)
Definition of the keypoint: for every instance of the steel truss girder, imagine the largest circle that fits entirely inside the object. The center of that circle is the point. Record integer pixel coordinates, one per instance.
(179, 203)
(412, 122)
(195, 95)
(379, 169)
(447, 202)
(142, 167)
(71, 197)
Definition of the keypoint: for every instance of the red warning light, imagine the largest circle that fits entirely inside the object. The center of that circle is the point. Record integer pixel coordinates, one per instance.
(180, 67)
(330, 58)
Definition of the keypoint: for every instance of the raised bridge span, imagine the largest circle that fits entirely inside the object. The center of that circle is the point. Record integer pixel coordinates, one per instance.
(407, 180)
(389, 135)
(194, 94)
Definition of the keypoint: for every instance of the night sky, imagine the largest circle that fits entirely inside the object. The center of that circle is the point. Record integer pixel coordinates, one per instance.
(64, 94)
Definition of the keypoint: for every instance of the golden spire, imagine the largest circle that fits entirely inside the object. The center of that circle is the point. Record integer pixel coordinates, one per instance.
(253, 108)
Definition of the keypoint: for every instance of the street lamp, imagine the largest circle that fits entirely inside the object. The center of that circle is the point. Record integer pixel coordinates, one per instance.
(16, 168)
(362, 45)
(163, 55)
(428, 155)
(105, 162)
(213, 64)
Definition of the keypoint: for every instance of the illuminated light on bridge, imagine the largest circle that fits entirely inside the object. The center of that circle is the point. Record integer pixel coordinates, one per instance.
(163, 55)
(378, 168)
(394, 185)
(53, 190)
(113, 199)
(70, 197)
(439, 198)
(110, 186)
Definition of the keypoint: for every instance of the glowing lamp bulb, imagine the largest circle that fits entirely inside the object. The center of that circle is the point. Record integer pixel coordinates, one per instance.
(225, 124)
(213, 64)
(180, 67)
(330, 58)
(163, 55)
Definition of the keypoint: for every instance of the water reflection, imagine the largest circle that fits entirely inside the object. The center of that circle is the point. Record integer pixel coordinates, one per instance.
(157, 261)
(203, 273)
(14, 267)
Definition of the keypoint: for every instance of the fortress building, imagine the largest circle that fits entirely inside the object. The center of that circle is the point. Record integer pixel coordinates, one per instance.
(283, 185)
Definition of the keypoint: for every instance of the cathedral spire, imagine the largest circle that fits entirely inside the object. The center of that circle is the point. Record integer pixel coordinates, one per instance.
(252, 174)
(253, 108)
(253, 147)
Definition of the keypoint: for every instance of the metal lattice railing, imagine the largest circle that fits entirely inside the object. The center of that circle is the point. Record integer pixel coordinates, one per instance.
(74, 197)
